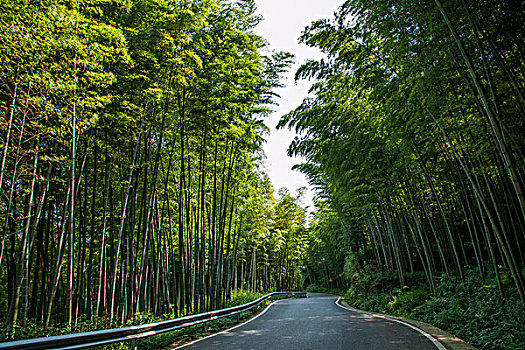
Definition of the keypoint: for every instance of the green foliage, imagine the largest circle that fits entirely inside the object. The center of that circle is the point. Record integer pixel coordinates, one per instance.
(243, 297)
(130, 168)
(320, 289)
(191, 333)
(407, 138)
(472, 310)
(407, 300)
(37, 330)
(328, 243)
(34, 330)
(275, 246)
(403, 141)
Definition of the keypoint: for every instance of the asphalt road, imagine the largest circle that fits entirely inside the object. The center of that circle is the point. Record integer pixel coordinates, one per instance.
(316, 323)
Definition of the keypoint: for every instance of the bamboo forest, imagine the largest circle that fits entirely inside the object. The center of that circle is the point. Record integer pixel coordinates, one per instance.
(133, 185)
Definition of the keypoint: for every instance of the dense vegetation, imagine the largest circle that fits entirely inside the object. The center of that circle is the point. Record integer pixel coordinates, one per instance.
(131, 185)
(413, 137)
(130, 175)
(472, 310)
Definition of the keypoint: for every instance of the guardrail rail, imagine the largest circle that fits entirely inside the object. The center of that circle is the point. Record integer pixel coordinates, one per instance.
(133, 333)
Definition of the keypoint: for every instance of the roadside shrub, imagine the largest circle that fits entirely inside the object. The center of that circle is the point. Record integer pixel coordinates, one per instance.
(406, 300)
(472, 310)
(319, 289)
(243, 297)
(36, 330)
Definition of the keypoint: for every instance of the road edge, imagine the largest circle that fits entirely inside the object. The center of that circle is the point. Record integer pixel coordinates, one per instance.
(441, 339)
(229, 329)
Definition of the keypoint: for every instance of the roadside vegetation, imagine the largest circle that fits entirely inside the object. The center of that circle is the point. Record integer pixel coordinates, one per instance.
(178, 337)
(413, 137)
(320, 289)
(132, 186)
(189, 334)
(472, 310)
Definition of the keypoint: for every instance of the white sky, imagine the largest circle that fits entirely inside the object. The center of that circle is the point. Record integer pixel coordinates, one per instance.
(284, 21)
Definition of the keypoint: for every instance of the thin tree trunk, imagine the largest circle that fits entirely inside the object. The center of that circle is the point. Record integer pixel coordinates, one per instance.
(493, 122)
(23, 273)
(8, 138)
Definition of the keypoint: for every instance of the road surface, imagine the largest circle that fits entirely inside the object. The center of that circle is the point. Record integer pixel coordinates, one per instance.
(316, 323)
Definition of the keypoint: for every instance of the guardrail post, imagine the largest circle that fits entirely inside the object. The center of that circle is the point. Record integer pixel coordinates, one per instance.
(238, 317)
(134, 344)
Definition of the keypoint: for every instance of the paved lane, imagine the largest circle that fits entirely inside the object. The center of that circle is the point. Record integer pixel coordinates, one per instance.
(316, 323)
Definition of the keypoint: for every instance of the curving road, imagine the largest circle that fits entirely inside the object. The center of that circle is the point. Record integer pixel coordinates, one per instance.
(316, 323)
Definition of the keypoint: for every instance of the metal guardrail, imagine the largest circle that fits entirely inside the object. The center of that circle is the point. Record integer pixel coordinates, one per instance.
(133, 333)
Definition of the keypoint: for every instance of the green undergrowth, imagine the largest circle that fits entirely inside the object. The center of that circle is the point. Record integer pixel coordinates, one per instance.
(175, 338)
(186, 335)
(473, 310)
(320, 289)
(182, 336)
(35, 330)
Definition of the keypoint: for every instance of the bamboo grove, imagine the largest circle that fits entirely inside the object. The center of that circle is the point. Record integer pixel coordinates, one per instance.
(414, 139)
(131, 176)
